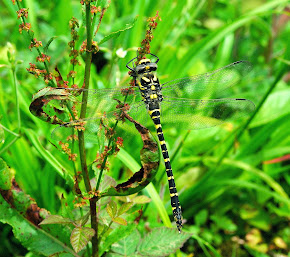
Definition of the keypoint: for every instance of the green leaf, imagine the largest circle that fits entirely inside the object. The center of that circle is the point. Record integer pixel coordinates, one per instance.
(261, 220)
(5, 176)
(276, 106)
(203, 243)
(263, 137)
(128, 245)
(120, 221)
(117, 33)
(224, 222)
(80, 237)
(55, 219)
(154, 195)
(112, 209)
(201, 217)
(84, 219)
(124, 208)
(33, 238)
(162, 241)
(214, 38)
(141, 199)
(116, 235)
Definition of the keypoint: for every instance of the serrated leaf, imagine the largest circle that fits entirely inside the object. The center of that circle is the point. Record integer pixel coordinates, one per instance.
(117, 33)
(80, 237)
(33, 238)
(116, 235)
(141, 199)
(55, 219)
(124, 208)
(162, 242)
(120, 221)
(128, 245)
(112, 209)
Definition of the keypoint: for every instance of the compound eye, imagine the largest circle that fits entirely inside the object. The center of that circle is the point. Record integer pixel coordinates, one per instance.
(141, 69)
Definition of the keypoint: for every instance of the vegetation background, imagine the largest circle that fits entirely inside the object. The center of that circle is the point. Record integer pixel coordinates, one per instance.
(240, 208)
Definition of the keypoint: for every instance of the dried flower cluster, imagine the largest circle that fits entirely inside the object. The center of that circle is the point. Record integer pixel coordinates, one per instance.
(114, 149)
(145, 44)
(95, 47)
(95, 9)
(35, 43)
(40, 73)
(67, 150)
(74, 25)
(22, 14)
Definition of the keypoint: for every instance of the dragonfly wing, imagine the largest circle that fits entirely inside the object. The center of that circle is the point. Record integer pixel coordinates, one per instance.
(58, 105)
(102, 100)
(99, 125)
(205, 84)
(140, 113)
(198, 114)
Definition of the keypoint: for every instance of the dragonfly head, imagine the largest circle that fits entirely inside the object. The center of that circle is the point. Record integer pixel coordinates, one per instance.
(144, 66)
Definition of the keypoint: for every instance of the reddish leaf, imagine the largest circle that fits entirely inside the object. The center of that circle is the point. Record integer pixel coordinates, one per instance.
(80, 237)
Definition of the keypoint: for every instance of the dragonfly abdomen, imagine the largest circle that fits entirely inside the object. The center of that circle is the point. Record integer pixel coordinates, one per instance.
(176, 208)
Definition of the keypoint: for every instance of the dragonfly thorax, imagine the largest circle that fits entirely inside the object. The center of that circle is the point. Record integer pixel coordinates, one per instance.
(147, 81)
(150, 88)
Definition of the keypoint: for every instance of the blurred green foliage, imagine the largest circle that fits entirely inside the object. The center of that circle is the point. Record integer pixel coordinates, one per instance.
(241, 207)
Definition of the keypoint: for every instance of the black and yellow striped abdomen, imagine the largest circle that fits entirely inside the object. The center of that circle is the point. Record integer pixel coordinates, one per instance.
(176, 208)
(150, 90)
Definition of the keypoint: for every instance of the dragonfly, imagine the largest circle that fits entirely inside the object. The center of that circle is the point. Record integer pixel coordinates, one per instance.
(175, 103)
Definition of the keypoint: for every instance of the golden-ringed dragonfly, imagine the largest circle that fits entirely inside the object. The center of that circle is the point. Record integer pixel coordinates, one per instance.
(187, 103)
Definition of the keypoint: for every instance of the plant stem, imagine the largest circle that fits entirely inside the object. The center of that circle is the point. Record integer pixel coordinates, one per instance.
(17, 99)
(10, 131)
(9, 144)
(93, 200)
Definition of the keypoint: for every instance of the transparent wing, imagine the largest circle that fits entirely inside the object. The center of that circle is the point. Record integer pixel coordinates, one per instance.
(206, 84)
(179, 112)
(198, 114)
(97, 125)
(193, 114)
(63, 101)
(175, 112)
(100, 98)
